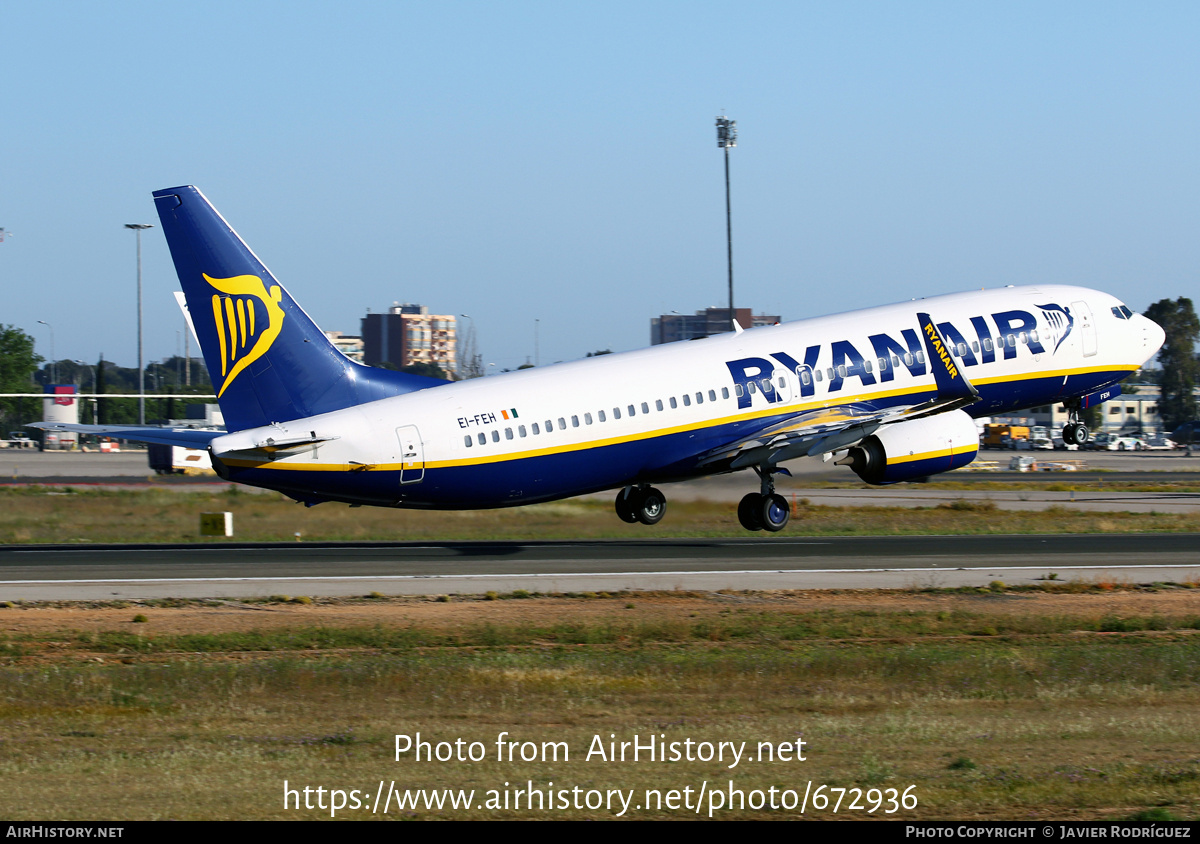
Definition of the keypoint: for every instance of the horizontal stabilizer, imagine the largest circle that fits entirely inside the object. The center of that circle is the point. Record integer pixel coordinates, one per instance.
(182, 437)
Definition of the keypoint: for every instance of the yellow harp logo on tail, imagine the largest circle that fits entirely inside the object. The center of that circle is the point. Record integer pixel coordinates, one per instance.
(247, 318)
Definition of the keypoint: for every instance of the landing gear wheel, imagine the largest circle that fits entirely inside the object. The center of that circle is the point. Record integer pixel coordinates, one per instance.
(774, 512)
(625, 507)
(649, 505)
(1075, 433)
(750, 511)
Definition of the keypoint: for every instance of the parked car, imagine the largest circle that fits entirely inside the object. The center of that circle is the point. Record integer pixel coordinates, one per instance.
(1186, 435)
(1160, 442)
(1125, 444)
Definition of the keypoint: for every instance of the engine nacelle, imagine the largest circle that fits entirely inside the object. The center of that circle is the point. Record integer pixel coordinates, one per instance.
(906, 450)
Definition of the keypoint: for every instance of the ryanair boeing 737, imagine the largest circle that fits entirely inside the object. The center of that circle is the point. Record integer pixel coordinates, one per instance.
(890, 392)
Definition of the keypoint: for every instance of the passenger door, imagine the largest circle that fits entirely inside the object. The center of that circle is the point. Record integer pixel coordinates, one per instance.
(412, 455)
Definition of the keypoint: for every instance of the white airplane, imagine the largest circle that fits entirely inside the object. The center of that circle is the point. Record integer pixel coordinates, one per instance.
(890, 392)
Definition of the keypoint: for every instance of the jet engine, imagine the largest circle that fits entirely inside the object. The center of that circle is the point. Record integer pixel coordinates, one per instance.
(906, 450)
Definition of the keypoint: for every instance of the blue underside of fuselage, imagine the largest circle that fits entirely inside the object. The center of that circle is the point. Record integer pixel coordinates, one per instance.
(675, 456)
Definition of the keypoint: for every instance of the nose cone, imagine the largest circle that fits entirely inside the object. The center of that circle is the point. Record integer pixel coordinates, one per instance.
(1152, 336)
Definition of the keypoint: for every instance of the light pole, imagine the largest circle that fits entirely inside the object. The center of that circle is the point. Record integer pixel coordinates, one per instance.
(92, 372)
(727, 139)
(137, 227)
(53, 365)
(469, 365)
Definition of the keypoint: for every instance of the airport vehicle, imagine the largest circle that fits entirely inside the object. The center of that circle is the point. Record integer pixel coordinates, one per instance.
(1040, 439)
(177, 460)
(997, 435)
(884, 391)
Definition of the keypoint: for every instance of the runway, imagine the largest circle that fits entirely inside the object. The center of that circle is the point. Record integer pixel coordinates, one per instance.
(338, 569)
(788, 561)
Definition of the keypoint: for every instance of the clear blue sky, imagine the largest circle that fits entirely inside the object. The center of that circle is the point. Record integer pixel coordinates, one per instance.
(557, 161)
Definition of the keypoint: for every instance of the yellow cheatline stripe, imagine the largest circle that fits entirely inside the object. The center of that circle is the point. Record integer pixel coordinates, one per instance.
(658, 432)
(1057, 373)
(550, 450)
(219, 322)
(930, 455)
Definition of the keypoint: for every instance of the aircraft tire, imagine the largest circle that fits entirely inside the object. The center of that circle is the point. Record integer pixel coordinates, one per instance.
(624, 507)
(1082, 434)
(750, 511)
(650, 506)
(774, 512)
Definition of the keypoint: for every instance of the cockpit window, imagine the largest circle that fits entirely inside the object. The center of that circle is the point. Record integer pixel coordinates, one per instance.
(1122, 312)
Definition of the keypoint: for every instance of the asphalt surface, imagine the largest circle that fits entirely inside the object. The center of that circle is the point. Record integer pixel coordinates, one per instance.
(247, 569)
(787, 561)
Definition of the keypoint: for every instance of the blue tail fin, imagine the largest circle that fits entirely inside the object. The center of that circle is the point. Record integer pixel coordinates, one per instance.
(268, 361)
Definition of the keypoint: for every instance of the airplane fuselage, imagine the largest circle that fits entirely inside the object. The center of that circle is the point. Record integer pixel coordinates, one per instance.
(664, 413)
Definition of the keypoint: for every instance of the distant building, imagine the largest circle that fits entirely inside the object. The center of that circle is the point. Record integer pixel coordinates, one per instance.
(347, 344)
(1136, 409)
(409, 334)
(671, 327)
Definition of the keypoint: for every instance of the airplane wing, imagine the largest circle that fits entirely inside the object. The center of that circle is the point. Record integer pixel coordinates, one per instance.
(184, 437)
(823, 430)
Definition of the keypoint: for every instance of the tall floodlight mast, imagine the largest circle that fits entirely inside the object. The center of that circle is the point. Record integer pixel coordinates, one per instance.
(138, 228)
(726, 140)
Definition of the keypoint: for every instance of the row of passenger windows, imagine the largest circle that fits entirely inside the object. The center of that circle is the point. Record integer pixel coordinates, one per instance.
(1010, 340)
(535, 429)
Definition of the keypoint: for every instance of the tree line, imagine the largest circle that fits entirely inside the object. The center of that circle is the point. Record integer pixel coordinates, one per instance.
(23, 370)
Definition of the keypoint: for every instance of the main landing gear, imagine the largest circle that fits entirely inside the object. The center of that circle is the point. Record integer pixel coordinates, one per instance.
(765, 510)
(1074, 432)
(643, 504)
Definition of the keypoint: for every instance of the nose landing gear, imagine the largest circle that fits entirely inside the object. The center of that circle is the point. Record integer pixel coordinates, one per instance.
(1074, 432)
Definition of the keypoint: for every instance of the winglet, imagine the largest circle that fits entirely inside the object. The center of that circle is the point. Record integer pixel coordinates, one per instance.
(951, 383)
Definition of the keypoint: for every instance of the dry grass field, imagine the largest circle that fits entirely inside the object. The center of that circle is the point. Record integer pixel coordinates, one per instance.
(1070, 702)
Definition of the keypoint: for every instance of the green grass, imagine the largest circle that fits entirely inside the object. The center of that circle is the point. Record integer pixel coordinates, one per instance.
(42, 515)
